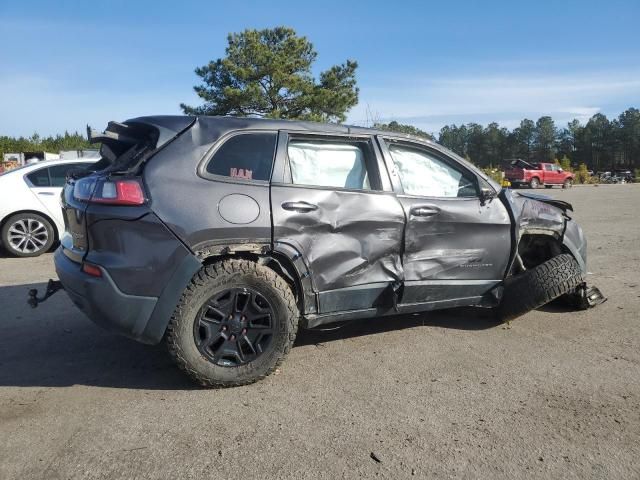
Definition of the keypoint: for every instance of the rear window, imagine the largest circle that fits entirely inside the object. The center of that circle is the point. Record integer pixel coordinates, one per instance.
(58, 174)
(246, 156)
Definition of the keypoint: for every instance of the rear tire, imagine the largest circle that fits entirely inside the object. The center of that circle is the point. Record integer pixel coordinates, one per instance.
(216, 350)
(534, 183)
(539, 285)
(27, 235)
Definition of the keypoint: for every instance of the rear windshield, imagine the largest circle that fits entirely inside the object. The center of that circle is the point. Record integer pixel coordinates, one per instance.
(247, 156)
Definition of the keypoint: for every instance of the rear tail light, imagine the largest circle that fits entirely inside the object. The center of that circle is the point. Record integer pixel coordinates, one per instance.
(109, 191)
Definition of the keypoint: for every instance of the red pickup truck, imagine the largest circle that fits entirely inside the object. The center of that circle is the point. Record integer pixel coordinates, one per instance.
(534, 175)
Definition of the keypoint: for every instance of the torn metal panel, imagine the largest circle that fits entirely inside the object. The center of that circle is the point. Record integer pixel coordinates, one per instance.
(534, 214)
(561, 204)
(346, 238)
(216, 248)
(542, 215)
(539, 217)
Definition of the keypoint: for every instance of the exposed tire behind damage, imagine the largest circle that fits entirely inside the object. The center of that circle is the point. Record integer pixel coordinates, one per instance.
(539, 285)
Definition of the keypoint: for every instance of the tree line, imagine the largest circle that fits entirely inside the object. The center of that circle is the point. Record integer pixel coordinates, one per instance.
(601, 144)
(36, 143)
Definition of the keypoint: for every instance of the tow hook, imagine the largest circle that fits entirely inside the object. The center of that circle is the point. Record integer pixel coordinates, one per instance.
(52, 287)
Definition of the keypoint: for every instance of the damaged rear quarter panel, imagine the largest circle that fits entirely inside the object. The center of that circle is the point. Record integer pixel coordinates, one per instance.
(190, 205)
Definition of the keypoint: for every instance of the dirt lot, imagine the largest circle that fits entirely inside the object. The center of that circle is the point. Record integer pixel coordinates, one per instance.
(556, 395)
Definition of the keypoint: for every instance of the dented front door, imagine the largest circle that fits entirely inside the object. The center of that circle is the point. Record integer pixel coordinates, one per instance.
(456, 246)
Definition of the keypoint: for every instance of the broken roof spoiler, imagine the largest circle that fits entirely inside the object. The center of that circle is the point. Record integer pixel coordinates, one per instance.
(117, 133)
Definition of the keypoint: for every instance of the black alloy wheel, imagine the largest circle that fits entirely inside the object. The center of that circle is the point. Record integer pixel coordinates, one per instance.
(234, 324)
(234, 327)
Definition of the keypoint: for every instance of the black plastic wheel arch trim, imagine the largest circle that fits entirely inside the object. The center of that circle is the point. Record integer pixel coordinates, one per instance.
(157, 325)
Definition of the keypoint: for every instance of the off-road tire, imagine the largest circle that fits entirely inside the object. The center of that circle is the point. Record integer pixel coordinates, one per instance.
(26, 218)
(538, 286)
(534, 183)
(215, 278)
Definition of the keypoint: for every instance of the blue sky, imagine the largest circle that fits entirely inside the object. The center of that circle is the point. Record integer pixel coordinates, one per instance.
(64, 64)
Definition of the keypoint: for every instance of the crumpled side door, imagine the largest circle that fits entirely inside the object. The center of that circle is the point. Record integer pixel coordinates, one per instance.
(456, 245)
(331, 205)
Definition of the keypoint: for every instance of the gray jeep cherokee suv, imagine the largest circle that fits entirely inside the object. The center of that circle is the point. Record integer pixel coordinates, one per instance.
(224, 235)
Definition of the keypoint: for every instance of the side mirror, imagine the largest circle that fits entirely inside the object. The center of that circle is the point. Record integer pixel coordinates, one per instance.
(486, 195)
(560, 170)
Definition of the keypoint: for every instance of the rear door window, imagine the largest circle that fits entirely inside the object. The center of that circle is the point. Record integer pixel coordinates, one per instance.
(332, 163)
(40, 178)
(246, 156)
(58, 174)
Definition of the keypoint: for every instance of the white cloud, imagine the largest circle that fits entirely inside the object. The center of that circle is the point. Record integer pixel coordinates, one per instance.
(49, 105)
(430, 103)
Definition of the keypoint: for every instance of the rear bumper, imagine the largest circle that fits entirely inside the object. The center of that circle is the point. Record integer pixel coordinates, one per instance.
(138, 317)
(102, 301)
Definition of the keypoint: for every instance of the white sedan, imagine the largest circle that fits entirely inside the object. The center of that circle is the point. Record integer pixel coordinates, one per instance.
(30, 212)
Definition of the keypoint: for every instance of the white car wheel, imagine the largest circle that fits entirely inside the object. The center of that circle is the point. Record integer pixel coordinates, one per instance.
(27, 235)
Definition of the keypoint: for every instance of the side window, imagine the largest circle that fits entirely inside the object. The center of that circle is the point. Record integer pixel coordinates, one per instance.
(39, 178)
(549, 168)
(425, 174)
(247, 156)
(58, 173)
(330, 163)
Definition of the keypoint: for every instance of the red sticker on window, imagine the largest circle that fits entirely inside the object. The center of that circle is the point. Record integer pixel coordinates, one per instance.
(241, 173)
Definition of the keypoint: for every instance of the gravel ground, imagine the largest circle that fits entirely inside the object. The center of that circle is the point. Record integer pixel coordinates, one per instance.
(555, 395)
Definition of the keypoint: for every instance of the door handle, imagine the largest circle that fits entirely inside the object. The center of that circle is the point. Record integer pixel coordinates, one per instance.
(302, 207)
(424, 211)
